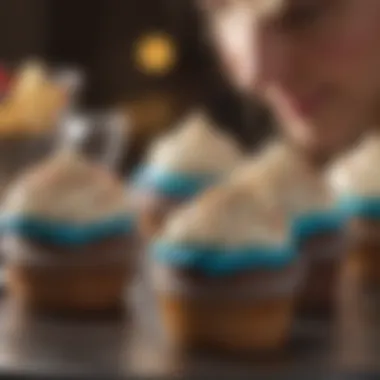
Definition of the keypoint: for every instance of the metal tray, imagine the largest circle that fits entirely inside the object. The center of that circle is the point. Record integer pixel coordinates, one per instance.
(131, 346)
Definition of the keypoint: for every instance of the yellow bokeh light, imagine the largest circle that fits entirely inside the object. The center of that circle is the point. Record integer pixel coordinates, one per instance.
(156, 54)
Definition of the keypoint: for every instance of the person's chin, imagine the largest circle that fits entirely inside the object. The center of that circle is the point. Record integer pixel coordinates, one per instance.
(313, 150)
(318, 138)
(314, 146)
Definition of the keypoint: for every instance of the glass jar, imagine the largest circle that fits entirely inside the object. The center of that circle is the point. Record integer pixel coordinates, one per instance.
(100, 136)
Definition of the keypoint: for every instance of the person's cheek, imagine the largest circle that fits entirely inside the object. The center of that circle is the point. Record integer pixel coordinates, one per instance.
(236, 44)
(349, 50)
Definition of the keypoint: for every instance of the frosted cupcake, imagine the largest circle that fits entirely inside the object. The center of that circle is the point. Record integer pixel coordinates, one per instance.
(225, 274)
(315, 223)
(355, 178)
(181, 165)
(68, 237)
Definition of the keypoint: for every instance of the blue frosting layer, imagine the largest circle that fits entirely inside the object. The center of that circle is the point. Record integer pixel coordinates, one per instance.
(65, 233)
(364, 207)
(215, 261)
(314, 223)
(171, 184)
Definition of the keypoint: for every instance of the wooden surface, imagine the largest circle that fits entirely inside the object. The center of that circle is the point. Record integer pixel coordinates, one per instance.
(133, 345)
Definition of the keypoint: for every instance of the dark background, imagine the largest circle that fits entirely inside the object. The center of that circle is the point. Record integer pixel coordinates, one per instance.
(99, 35)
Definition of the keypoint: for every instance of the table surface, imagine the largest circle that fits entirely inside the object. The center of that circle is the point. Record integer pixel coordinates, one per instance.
(132, 346)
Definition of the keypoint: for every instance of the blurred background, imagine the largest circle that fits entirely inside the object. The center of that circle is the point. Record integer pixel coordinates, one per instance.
(152, 57)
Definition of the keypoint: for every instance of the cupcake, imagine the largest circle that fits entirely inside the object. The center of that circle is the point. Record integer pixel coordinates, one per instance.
(68, 237)
(355, 178)
(314, 221)
(225, 274)
(181, 165)
(28, 116)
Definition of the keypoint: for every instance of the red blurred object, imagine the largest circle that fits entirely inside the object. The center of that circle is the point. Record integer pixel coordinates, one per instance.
(4, 80)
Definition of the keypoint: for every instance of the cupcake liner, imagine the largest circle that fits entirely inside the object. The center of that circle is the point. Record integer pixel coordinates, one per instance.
(330, 251)
(119, 250)
(363, 233)
(270, 284)
(312, 224)
(170, 184)
(70, 292)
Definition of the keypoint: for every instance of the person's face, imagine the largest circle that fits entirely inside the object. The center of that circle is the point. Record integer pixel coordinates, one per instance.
(317, 63)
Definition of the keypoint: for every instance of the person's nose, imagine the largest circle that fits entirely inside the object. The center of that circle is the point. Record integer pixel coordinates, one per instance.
(271, 57)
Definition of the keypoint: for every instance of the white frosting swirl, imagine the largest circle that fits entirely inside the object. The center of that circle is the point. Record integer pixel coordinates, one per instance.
(256, 205)
(357, 171)
(229, 215)
(197, 146)
(67, 188)
(291, 181)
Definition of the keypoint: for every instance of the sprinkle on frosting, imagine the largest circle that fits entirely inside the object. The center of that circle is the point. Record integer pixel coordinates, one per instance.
(196, 146)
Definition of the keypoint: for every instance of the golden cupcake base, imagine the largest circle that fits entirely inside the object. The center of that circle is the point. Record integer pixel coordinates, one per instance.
(319, 292)
(69, 289)
(85, 279)
(232, 326)
(366, 262)
(364, 251)
(324, 262)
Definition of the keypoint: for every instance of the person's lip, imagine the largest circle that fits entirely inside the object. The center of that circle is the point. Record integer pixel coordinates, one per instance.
(299, 103)
(307, 104)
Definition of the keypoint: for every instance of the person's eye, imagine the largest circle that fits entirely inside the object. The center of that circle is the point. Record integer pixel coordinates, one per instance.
(303, 15)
